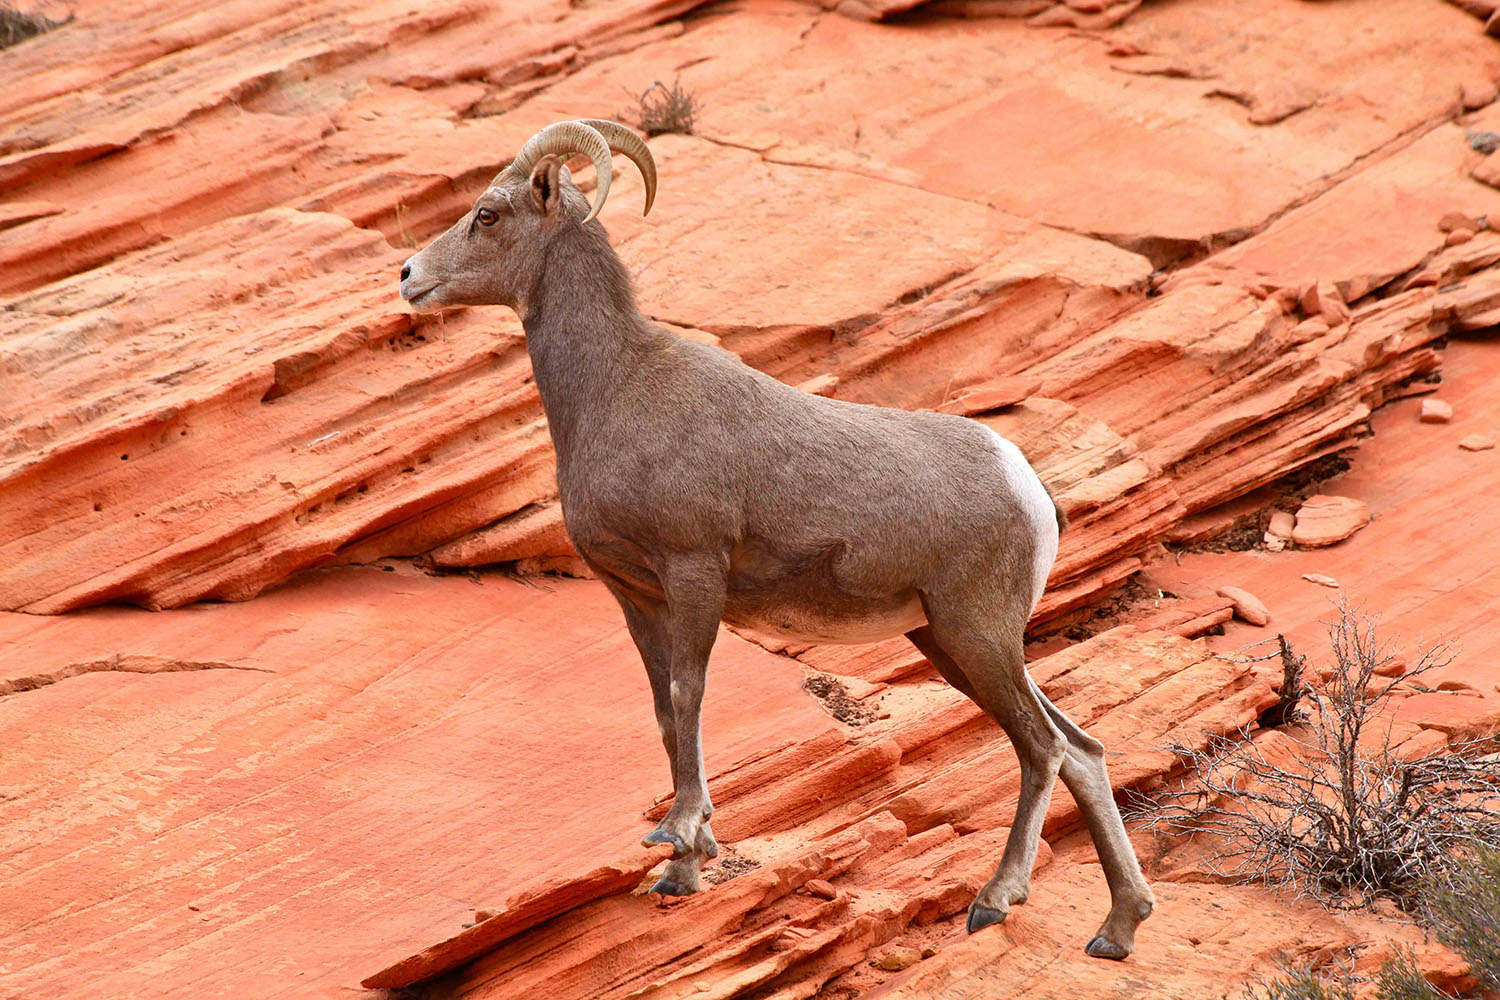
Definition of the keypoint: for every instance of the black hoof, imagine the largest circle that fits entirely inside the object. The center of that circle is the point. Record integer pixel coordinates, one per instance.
(1103, 947)
(667, 887)
(660, 836)
(981, 917)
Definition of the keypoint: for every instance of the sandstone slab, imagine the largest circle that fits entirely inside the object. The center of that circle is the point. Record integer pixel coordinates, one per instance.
(1247, 607)
(1435, 411)
(1326, 520)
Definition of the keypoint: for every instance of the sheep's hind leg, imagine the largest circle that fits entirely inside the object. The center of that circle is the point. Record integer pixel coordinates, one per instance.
(1087, 778)
(987, 664)
(978, 647)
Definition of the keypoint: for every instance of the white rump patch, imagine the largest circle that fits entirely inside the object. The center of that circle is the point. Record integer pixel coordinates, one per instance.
(1033, 498)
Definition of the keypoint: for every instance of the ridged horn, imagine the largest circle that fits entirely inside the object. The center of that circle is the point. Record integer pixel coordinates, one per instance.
(563, 139)
(623, 139)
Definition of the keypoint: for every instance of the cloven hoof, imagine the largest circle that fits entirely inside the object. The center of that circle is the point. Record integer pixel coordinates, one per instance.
(660, 836)
(982, 916)
(1103, 947)
(667, 887)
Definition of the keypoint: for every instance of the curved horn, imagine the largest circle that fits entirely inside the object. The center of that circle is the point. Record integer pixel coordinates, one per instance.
(623, 139)
(564, 139)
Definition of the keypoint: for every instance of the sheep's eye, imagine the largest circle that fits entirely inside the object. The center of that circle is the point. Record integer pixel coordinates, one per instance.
(486, 217)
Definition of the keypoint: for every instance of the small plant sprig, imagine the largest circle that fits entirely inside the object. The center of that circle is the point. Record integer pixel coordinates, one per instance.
(661, 109)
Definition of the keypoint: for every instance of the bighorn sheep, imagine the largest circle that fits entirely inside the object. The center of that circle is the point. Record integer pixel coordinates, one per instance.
(700, 490)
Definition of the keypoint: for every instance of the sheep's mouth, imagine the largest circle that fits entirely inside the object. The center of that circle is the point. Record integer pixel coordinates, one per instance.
(415, 299)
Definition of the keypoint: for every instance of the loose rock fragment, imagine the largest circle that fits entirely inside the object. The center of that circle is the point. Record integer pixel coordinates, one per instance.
(821, 888)
(1435, 411)
(1484, 141)
(995, 394)
(1458, 236)
(899, 958)
(1326, 520)
(1456, 220)
(1322, 299)
(1321, 580)
(1282, 523)
(1247, 607)
(821, 385)
(1477, 442)
(1477, 93)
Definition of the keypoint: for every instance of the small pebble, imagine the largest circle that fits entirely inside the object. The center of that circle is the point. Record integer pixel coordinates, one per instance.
(1435, 411)
(1484, 141)
(1321, 580)
(1477, 442)
(1458, 236)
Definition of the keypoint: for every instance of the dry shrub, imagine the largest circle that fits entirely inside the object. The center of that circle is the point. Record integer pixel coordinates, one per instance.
(1465, 908)
(1400, 978)
(661, 109)
(1340, 815)
(1305, 982)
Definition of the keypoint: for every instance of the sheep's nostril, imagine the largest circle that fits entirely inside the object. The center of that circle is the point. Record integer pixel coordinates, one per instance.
(405, 271)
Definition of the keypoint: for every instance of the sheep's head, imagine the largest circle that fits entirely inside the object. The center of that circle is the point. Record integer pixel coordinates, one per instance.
(494, 254)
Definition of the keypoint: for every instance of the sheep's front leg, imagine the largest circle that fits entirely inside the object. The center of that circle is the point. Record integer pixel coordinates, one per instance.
(647, 620)
(694, 587)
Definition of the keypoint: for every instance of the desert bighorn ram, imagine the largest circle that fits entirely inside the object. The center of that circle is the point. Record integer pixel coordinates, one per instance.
(701, 490)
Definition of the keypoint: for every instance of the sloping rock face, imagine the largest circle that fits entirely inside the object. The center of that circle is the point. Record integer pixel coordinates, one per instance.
(211, 385)
(1175, 251)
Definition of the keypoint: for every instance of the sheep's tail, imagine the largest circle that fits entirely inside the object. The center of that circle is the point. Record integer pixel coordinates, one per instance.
(1062, 517)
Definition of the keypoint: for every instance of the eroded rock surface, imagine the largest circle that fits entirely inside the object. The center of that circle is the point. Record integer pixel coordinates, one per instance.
(1174, 251)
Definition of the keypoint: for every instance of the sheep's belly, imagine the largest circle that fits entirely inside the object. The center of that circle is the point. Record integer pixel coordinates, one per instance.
(819, 625)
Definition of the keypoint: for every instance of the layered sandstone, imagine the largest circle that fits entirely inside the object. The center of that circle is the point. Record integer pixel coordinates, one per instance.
(1175, 251)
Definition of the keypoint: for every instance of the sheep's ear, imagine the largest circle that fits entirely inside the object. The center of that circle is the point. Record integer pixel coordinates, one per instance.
(546, 185)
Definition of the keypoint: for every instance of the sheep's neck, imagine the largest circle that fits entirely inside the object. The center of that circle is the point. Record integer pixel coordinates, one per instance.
(584, 336)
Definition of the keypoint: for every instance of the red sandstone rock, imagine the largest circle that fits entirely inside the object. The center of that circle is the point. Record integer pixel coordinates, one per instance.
(897, 959)
(1435, 411)
(1247, 607)
(1452, 221)
(1326, 520)
(1322, 300)
(236, 334)
(1456, 716)
(995, 394)
(822, 385)
(821, 888)
(1476, 442)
